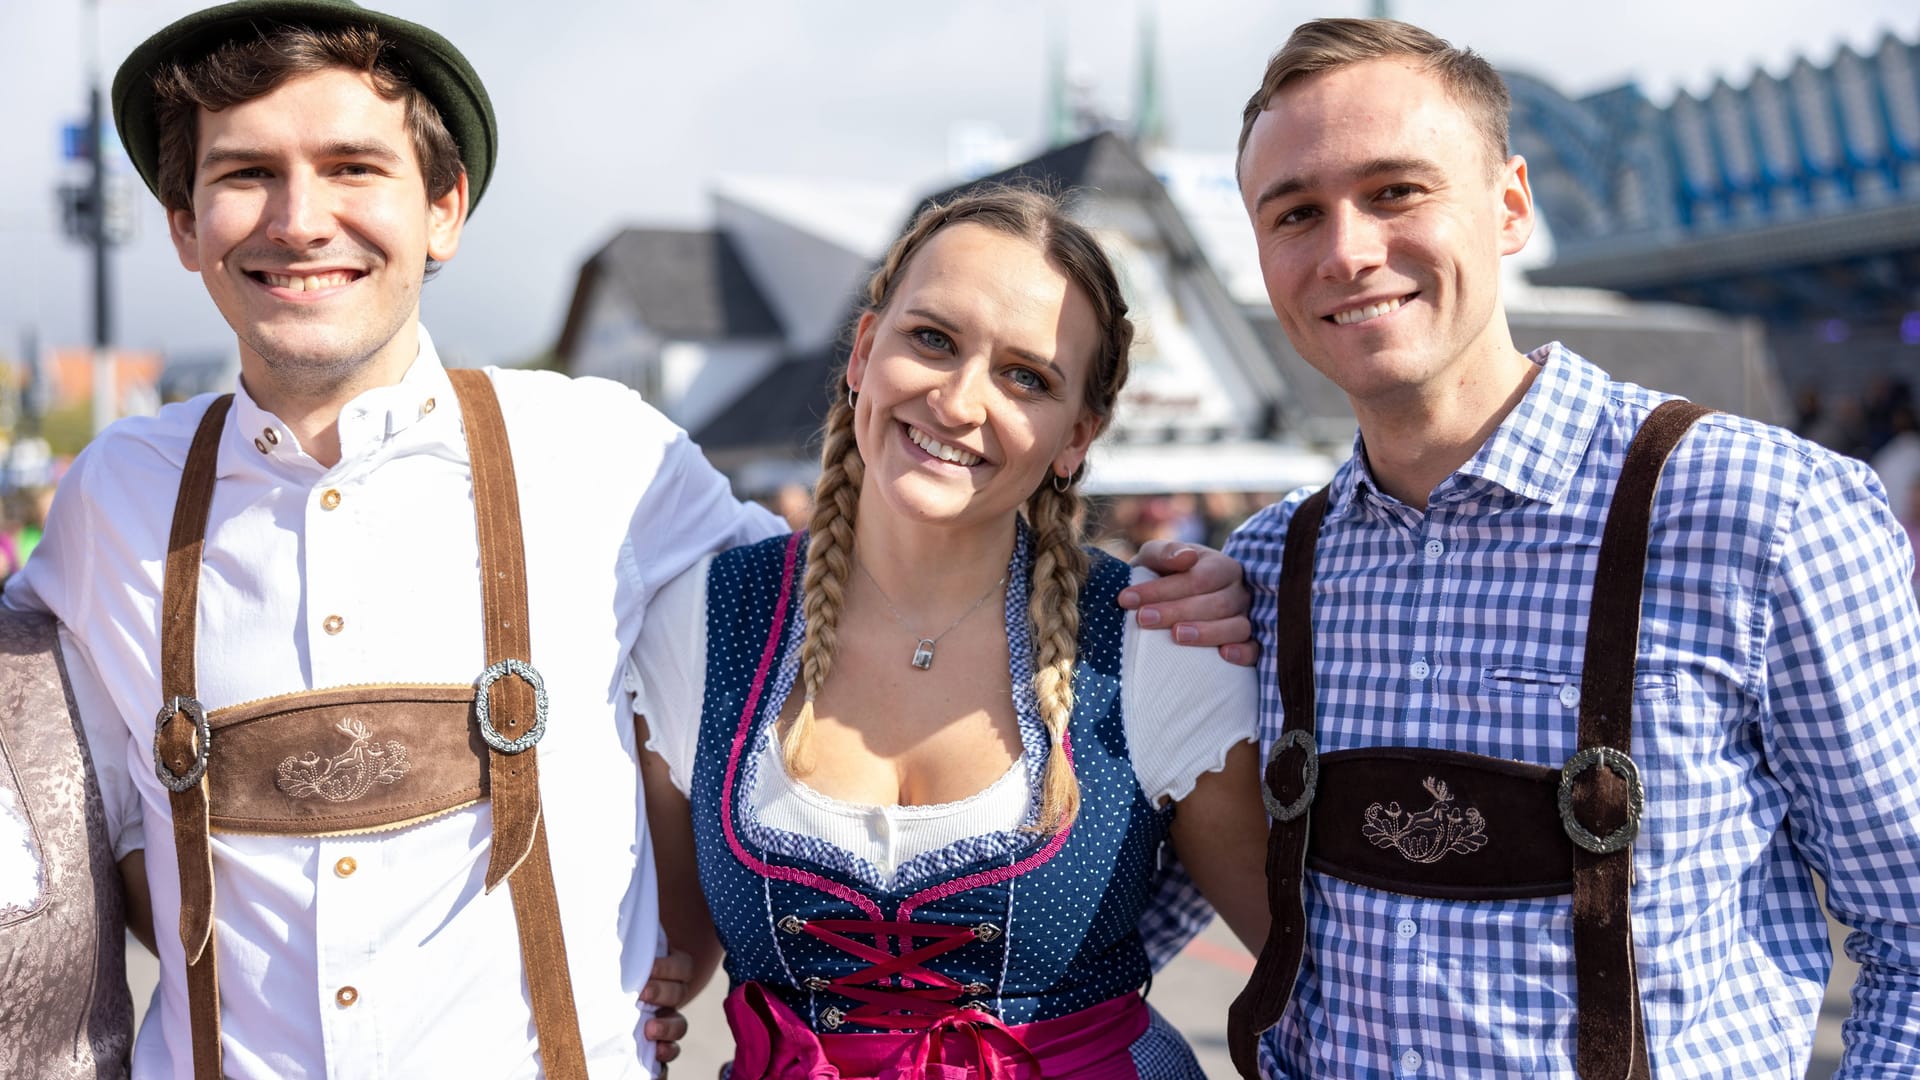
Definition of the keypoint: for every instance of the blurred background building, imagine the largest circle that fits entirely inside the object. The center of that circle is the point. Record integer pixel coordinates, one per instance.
(1727, 247)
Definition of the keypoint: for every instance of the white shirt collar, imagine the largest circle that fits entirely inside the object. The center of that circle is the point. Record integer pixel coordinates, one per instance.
(367, 423)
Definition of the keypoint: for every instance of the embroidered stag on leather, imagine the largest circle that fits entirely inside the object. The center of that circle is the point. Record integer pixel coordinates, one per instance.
(1431, 834)
(347, 776)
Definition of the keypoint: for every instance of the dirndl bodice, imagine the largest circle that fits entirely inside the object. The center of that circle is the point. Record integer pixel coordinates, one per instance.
(998, 931)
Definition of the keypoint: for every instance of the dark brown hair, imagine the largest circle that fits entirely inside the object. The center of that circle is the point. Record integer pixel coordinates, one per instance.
(1056, 515)
(242, 69)
(1326, 44)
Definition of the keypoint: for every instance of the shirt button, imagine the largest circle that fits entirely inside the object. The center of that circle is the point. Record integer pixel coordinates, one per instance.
(345, 867)
(1420, 670)
(272, 436)
(329, 498)
(1410, 1061)
(260, 446)
(1569, 695)
(347, 995)
(426, 407)
(1406, 929)
(333, 624)
(1435, 549)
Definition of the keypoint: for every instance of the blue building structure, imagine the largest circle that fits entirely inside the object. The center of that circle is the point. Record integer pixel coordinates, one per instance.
(1793, 198)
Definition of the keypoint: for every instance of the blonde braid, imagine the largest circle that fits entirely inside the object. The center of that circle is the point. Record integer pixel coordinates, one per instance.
(1053, 612)
(836, 501)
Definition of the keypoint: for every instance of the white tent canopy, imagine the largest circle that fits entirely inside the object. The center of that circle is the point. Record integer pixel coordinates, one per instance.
(1249, 466)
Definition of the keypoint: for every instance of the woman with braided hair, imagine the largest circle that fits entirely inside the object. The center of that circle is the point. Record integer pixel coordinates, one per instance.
(923, 765)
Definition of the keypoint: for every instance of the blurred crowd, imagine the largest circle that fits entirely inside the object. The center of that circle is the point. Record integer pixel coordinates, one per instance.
(1879, 426)
(23, 513)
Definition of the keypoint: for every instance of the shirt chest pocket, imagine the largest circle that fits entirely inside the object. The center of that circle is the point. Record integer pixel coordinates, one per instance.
(1505, 681)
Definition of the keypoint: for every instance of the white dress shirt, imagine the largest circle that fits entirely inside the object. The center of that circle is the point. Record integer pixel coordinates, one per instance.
(301, 589)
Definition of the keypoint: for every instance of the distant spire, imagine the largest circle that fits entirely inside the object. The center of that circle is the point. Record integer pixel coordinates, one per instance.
(1060, 126)
(1149, 121)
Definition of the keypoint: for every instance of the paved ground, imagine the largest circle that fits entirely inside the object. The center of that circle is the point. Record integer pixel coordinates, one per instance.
(1193, 992)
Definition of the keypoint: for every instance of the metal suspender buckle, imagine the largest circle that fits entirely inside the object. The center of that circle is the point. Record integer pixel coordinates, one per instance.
(1623, 767)
(197, 713)
(482, 711)
(1309, 774)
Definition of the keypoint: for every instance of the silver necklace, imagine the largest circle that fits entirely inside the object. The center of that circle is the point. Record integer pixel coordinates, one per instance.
(923, 647)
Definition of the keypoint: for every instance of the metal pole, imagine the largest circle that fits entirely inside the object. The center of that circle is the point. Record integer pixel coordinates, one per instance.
(105, 400)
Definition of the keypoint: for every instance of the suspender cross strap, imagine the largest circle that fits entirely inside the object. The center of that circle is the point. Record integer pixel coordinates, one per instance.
(509, 709)
(1600, 794)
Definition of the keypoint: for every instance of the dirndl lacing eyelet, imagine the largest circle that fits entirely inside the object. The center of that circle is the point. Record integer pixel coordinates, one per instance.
(899, 993)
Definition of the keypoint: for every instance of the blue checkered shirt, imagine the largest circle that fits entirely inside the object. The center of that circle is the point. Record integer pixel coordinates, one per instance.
(1776, 701)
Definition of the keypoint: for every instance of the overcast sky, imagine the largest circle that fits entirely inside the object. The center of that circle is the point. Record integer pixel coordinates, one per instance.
(621, 112)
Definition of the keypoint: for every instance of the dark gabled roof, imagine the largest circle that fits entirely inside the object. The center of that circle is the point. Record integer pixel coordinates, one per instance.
(789, 403)
(683, 283)
(1100, 162)
(785, 408)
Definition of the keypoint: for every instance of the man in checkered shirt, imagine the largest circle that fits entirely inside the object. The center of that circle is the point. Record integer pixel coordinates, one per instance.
(1775, 693)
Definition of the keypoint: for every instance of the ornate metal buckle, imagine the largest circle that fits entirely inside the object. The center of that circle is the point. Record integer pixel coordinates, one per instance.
(1310, 774)
(179, 783)
(482, 711)
(1623, 767)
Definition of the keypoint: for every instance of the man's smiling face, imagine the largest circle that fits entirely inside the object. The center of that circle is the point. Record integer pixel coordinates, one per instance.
(1381, 217)
(311, 227)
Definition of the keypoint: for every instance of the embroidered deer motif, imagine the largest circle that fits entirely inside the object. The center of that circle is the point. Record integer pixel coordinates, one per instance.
(1431, 834)
(348, 776)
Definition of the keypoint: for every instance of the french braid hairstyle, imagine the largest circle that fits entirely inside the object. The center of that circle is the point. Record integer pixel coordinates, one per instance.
(1055, 514)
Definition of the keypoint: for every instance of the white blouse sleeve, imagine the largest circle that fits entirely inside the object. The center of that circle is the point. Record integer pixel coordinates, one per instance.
(1185, 708)
(667, 672)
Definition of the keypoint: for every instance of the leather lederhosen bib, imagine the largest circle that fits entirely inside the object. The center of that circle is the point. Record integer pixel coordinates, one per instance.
(1558, 830)
(364, 759)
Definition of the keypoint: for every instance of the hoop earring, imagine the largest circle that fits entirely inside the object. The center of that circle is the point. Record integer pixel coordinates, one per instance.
(1062, 483)
(853, 397)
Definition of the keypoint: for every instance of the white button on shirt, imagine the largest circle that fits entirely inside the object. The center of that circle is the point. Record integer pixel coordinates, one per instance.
(381, 955)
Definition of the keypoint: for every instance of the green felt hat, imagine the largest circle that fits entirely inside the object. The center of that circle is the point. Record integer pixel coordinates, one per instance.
(438, 69)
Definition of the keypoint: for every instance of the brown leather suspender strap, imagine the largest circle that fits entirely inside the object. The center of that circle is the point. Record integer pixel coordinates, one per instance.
(181, 738)
(1610, 1042)
(1288, 788)
(1599, 784)
(511, 710)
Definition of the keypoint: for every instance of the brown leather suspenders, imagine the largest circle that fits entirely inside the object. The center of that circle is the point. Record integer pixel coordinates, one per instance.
(181, 737)
(508, 710)
(1490, 831)
(519, 830)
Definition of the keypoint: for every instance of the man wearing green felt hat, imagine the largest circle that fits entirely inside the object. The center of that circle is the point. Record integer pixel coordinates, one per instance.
(385, 820)
(351, 631)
